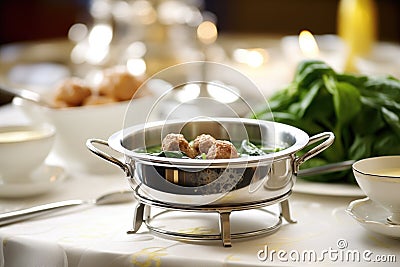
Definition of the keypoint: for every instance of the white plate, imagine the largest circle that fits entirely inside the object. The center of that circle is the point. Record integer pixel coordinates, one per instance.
(329, 189)
(372, 216)
(42, 180)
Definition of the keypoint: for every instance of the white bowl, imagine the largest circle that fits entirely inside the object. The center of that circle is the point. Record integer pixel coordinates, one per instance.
(380, 186)
(76, 125)
(23, 149)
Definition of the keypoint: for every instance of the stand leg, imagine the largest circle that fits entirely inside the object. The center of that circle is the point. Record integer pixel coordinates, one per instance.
(137, 218)
(147, 212)
(285, 211)
(225, 228)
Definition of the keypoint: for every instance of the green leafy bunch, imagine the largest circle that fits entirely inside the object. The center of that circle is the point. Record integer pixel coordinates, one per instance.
(363, 112)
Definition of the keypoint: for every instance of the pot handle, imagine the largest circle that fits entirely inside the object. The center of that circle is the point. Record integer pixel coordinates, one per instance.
(125, 167)
(329, 136)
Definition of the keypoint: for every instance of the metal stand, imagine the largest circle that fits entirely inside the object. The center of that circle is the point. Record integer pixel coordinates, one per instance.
(143, 215)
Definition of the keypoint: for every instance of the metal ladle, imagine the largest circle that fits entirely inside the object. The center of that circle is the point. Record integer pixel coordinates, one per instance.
(24, 214)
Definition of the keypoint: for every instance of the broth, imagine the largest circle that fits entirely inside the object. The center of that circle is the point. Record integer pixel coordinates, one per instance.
(156, 150)
(388, 172)
(18, 136)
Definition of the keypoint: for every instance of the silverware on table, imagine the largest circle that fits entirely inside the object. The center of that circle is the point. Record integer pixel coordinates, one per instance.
(24, 214)
(27, 95)
(328, 168)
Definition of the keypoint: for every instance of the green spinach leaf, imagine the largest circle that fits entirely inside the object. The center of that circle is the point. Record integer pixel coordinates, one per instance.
(362, 111)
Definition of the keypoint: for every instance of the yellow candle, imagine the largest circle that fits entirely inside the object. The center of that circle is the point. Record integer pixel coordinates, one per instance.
(357, 25)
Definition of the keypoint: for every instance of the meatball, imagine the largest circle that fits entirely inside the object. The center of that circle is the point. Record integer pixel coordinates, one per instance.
(202, 143)
(177, 142)
(222, 150)
(72, 92)
(119, 84)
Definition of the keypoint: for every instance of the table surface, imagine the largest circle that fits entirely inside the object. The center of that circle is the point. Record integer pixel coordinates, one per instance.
(97, 235)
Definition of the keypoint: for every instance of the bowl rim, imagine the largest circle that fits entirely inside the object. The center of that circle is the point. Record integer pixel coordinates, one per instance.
(17, 101)
(302, 139)
(357, 170)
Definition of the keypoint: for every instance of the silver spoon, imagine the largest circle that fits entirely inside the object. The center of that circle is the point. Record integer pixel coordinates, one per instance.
(27, 95)
(24, 214)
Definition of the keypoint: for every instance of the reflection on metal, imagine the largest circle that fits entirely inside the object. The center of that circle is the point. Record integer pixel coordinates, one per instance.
(280, 175)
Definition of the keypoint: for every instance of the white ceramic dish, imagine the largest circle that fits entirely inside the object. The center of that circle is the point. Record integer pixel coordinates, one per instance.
(76, 125)
(384, 59)
(40, 181)
(24, 148)
(328, 189)
(379, 178)
(372, 217)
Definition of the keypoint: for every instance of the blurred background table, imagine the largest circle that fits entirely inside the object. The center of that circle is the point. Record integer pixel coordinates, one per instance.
(173, 25)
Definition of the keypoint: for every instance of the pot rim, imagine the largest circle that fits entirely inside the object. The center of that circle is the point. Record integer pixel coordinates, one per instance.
(301, 137)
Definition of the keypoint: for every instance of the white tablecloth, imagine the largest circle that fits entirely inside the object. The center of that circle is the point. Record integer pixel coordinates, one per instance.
(96, 235)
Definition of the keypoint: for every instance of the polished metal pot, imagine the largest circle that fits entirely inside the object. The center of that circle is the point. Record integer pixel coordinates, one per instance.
(219, 181)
